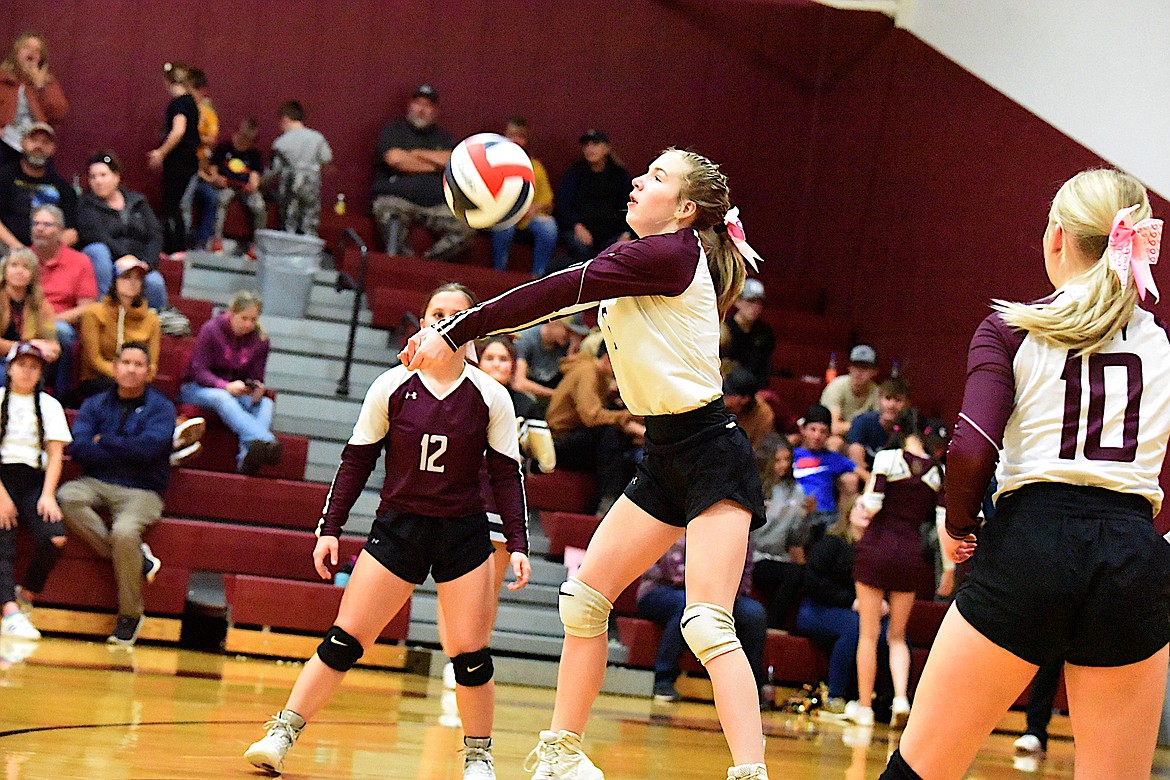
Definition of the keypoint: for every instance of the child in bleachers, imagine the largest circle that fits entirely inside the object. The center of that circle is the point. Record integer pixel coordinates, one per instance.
(297, 157)
(33, 435)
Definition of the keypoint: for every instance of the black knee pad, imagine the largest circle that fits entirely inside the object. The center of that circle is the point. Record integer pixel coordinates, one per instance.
(338, 650)
(898, 769)
(473, 669)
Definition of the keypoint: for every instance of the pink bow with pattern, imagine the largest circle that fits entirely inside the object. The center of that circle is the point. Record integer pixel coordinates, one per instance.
(1133, 249)
(739, 238)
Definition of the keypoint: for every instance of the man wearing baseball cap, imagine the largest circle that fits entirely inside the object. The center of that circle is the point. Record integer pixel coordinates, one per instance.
(32, 182)
(591, 202)
(746, 341)
(856, 392)
(408, 180)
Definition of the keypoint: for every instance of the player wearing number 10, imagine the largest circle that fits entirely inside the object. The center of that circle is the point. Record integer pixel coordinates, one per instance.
(438, 427)
(1071, 395)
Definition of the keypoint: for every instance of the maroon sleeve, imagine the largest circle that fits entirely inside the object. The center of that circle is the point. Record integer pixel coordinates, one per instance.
(258, 361)
(508, 491)
(357, 463)
(978, 435)
(655, 265)
(207, 346)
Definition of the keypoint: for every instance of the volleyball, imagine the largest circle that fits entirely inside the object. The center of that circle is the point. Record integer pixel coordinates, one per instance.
(488, 181)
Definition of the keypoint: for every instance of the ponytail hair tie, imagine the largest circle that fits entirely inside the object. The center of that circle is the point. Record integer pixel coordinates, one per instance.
(719, 228)
(1133, 248)
(734, 229)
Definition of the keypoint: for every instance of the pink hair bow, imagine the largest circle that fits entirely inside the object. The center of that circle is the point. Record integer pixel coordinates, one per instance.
(739, 238)
(1133, 249)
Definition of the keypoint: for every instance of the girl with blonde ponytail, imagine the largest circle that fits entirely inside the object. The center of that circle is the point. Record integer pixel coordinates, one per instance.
(660, 300)
(1068, 405)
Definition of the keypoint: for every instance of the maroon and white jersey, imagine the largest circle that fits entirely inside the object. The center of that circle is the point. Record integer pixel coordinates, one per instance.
(658, 314)
(1101, 420)
(435, 447)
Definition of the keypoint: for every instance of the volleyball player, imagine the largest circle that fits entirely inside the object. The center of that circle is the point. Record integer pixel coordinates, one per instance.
(661, 298)
(1071, 395)
(438, 426)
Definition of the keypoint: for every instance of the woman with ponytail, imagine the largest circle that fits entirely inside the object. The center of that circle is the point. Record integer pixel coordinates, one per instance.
(33, 435)
(1068, 405)
(660, 299)
(904, 491)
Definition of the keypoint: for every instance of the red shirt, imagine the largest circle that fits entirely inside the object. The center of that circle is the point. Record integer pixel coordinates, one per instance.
(66, 278)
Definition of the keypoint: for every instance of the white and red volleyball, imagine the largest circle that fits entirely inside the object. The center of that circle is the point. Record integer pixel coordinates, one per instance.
(488, 181)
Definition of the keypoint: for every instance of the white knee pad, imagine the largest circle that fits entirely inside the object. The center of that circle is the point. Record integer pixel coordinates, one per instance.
(584, 611)
(709, 630)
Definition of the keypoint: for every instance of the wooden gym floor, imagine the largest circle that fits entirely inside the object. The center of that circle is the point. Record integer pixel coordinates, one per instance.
(77, 709)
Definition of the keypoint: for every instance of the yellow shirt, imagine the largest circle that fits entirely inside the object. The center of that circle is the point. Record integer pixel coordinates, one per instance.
(542, 194)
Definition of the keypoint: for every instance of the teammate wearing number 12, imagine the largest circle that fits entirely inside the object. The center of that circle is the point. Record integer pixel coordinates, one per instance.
(1071, 395)
(438, 428)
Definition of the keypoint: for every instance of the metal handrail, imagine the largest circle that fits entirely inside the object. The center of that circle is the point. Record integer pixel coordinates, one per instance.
(359, 288)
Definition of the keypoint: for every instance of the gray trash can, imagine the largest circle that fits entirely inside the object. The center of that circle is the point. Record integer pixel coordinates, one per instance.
(287, 262)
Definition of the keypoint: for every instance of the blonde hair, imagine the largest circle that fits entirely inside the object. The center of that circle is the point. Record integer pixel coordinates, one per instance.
(706, 186)
(37, 317)
(177, 73)
(1085, 207)
(244, 300)
(10, 64)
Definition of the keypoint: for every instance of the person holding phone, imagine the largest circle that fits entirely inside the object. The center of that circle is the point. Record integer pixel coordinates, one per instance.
(226, 376)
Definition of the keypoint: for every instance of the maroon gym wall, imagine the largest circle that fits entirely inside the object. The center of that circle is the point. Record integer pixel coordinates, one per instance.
(862, 159)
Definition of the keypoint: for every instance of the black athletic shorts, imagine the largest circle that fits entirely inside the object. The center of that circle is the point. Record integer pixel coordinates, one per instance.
(693, 461)
(1070, 573)
(412, 546)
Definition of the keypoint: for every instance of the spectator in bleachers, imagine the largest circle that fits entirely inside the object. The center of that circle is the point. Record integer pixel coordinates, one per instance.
(821, 472)
(234, 172)
(24, 313)
(178, 154)
(120, 317)
(779, 544)
(29, 92)
(122, 440)
(226, 376)
(752, 413)
(538, 223)
(588, 436)
(298, 154)
(591, 201)
(33, 181)
(114, 222)
(745, 340)
(905, 490)
(870, 431)
(662, 598)
(497, 359)
(33, 435)
(67, 278)
(849, 395)
(539, 352)
(830, 607)
(199, 188)
(408, 180)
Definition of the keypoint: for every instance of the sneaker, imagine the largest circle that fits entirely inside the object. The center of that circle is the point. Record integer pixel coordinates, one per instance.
(254, 457)
(272, 452)
(748, 772)
(477, 759)
(665, 692)
(22, 600)
(833, 708)
(188, 430)
(1028, 744)
(18, 626)
(899, 712)
(14, 650)
(125, 630)
(537, 443)
(268, 752)
(179, 457)
(216, 246)
(862, 716)
(150, 564)
(251, 253)
(558, 756)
